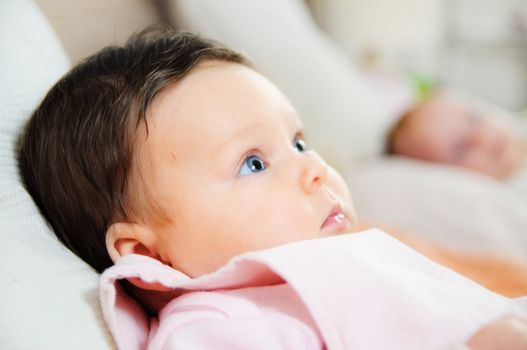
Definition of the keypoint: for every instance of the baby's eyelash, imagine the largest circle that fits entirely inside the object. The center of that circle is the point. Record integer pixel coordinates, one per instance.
(257, 162)
(299, 142)
(251, 152)
(300, 135)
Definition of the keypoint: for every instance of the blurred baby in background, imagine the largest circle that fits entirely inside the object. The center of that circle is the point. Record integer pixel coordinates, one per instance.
(449, 129)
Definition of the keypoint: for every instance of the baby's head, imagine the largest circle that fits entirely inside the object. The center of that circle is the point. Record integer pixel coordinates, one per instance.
(175, 148)
(450, 130)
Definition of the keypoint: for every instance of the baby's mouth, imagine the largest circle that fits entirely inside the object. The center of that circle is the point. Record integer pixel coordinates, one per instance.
(336, 222)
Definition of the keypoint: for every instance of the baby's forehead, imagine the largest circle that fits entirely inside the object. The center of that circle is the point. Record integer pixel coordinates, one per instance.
(442, 111)
(214, 101)
(216, 93)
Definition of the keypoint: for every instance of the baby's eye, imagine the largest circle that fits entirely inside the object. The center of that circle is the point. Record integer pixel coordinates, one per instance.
(300, 144)
(460, 150)
(252, 164)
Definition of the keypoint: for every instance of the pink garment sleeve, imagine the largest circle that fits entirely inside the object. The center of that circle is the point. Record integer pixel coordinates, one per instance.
(204, 320)
(255, 333)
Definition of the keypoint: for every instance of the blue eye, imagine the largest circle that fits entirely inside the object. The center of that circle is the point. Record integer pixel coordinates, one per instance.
(300, 144)
(251, 165)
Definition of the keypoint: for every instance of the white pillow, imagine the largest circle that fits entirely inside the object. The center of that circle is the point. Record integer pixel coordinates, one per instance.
(344, 120)
(48, 296)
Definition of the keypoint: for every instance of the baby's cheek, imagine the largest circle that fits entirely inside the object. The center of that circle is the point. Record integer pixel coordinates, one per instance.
(338, 185)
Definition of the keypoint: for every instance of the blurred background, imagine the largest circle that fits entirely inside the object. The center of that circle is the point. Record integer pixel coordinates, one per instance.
(477, 45)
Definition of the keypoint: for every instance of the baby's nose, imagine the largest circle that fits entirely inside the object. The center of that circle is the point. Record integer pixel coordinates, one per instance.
(314, 173)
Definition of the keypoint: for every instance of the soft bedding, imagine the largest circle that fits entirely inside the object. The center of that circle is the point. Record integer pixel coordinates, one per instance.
(48, 296)
(448, 205)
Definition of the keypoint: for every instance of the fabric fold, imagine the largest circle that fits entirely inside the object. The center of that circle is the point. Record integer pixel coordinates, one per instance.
(363, 291)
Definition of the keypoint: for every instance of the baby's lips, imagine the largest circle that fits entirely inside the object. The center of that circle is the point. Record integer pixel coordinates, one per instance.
(338, 219)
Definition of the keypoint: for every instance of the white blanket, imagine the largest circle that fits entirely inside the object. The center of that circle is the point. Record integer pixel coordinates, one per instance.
(449, 205)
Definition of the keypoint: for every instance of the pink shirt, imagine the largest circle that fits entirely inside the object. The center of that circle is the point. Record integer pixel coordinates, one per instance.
(354, 291)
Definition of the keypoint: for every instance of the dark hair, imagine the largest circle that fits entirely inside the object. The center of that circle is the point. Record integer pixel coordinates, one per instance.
(76, 153)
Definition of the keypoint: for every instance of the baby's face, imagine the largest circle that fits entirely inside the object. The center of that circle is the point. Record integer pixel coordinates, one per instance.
(226, 161)
(449, 131)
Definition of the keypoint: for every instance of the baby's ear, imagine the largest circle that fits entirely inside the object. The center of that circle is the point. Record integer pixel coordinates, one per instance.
(124, 238)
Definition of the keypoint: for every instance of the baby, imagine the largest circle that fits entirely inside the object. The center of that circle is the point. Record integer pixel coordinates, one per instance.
(446, 129)
(170, 156)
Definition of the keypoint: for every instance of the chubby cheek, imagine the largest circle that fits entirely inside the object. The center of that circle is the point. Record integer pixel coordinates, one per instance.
(273, 213)
(276, 216)
(482, 162)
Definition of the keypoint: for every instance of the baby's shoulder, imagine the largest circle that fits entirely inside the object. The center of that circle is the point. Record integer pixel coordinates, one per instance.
(240, 318)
